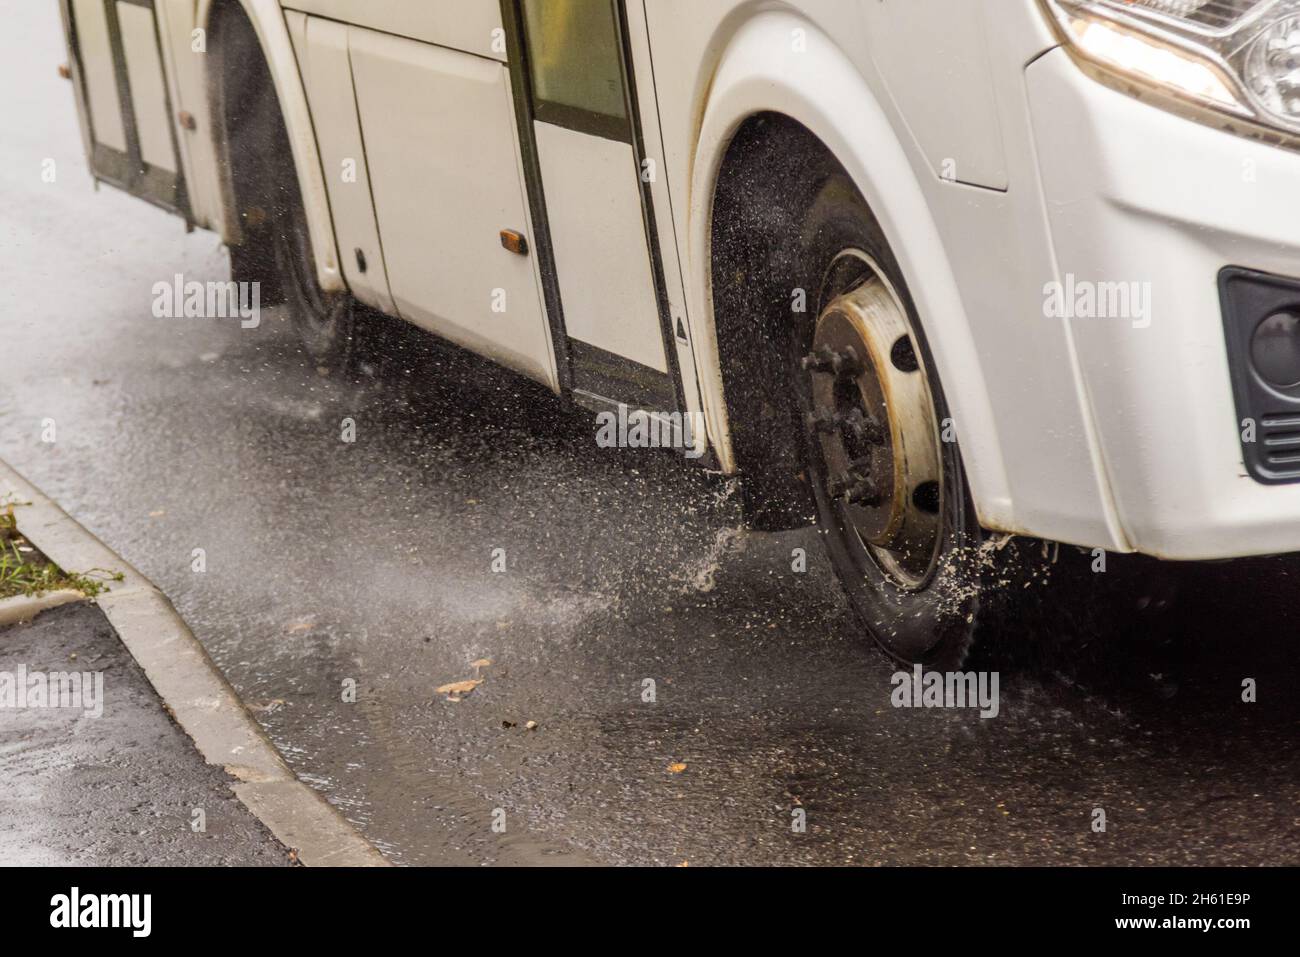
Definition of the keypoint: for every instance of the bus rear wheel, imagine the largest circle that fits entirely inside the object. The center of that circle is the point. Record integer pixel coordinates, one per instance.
(325, 321)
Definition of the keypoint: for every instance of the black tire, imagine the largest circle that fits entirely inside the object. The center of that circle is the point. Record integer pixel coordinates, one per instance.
(254, 261)
(930, 621)
(325, 321)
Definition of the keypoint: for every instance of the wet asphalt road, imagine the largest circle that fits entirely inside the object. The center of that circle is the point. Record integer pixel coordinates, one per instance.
(371, 561)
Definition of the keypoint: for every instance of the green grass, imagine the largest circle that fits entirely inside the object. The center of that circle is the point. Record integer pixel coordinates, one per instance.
(25, 571)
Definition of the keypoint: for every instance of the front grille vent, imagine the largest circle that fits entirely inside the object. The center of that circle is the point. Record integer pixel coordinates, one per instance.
(1279, 433)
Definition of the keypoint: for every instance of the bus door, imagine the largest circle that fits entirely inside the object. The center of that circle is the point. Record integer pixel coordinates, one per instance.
(613, 284)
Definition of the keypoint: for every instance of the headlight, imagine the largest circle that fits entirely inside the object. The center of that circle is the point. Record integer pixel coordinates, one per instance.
(1235, 57)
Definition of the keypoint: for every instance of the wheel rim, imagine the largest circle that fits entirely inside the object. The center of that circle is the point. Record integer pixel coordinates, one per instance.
(873, 426)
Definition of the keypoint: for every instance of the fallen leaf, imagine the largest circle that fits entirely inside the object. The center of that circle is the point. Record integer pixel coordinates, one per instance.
(158, 512)
(481, 663)
(459, 688)
(676, 768)
(301, 624)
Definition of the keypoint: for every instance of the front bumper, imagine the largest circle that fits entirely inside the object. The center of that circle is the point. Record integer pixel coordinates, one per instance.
(1138, 196)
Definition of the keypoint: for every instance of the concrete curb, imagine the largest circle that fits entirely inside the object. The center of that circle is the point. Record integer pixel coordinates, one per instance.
(198, 695)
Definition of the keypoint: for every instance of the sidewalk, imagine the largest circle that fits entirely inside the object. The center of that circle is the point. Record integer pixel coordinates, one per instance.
(125, 787)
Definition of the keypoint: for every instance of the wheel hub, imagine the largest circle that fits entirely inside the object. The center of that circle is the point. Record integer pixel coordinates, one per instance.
(873, 419)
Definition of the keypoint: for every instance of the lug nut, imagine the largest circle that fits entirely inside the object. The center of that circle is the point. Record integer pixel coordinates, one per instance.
(825, 359)
(839, 484)
(863, 428)
(866, 493)
(846, 364)
(855, 490)
(819, 360)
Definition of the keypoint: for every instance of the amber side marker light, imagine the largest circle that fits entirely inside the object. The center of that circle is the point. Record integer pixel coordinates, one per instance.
(514, 241)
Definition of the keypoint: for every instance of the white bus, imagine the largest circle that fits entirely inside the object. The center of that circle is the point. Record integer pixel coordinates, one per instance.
(924, 272)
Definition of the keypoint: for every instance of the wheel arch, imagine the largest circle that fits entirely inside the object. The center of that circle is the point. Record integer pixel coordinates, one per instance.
(764, 97)
(271, 35)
